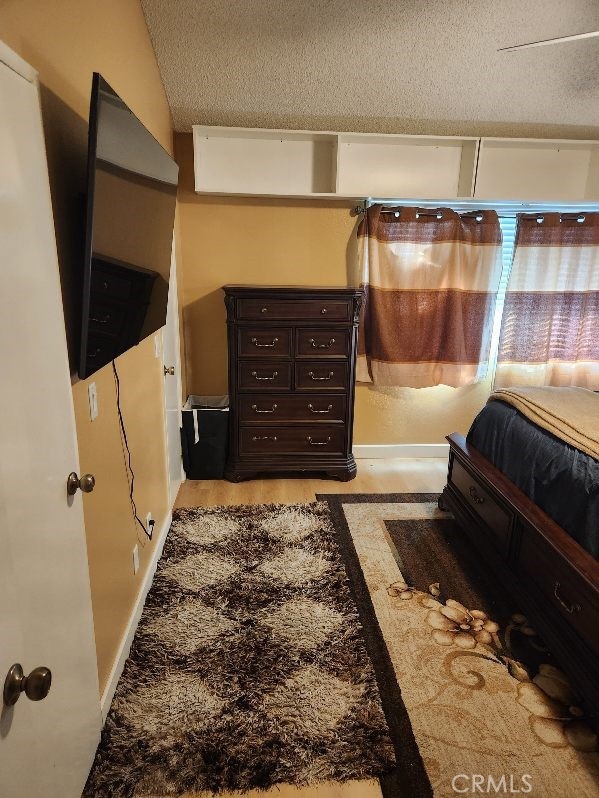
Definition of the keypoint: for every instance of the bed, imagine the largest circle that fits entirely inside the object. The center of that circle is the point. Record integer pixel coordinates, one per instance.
(529, 502)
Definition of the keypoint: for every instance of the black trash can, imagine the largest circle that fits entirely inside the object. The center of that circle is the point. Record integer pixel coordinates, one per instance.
(205, 436)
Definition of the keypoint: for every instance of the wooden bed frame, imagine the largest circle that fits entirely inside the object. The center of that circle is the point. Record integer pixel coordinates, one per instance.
(554, 580)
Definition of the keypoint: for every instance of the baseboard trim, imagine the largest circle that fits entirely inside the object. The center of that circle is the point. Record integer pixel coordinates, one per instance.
(127, 639)
(380, 451)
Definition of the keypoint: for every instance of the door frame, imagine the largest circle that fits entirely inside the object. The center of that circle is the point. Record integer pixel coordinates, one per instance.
(172, 327)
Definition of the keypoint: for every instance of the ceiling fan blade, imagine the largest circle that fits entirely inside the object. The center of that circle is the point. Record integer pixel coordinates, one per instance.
(543, 42)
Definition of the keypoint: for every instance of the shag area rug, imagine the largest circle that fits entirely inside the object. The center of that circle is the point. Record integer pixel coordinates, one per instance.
(489, 708)
(249, 666)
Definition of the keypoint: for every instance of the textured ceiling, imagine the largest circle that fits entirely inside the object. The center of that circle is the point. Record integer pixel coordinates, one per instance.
(379, 65)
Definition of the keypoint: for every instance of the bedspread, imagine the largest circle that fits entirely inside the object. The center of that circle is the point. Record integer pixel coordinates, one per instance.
(559, 478)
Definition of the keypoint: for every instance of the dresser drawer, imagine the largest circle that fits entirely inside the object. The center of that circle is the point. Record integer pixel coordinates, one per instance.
(106, 317)
(105, 283)
(100, 349)
(321, 408)
(254, 376)
(322, 343)
(561, 586)
(495, 516)
(317, 440)
(319, 376)
(261, 342)
(323, 310)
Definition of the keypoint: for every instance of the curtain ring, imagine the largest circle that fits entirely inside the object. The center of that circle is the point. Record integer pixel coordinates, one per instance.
(573, 217)
(436, 214)
(478, 216)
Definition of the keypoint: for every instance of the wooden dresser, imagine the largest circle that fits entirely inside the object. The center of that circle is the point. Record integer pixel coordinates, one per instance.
(292, 356)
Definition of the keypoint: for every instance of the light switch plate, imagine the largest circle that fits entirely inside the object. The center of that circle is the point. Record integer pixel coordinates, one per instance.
(92, 395)
(157, 347)
(135, 559)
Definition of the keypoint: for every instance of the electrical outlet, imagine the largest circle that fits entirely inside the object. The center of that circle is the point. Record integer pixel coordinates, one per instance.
(157, 346)
(92, 395)
(135, 559)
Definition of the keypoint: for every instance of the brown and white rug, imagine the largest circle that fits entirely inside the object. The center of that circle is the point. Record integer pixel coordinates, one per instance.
(249, 666)
(489, 709)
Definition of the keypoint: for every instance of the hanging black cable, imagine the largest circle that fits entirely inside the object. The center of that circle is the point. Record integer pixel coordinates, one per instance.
(131, 480)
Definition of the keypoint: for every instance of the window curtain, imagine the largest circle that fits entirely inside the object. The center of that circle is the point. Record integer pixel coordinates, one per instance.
(550, 326)
(431, 280)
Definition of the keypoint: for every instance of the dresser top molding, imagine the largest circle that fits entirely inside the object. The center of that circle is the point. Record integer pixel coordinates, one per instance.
(283, 289)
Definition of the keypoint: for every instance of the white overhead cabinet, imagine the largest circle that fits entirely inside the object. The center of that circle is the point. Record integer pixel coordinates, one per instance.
(264, 162)
(405, 166)
(288, 163)
(533, 169)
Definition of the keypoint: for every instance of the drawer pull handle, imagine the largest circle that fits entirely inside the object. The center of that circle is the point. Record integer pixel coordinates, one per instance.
(312, 409)
(263, 310)
(104, 320)
(315, 378)
(323, 311)
(255, 409)
(565, 604)
(275, 374)
(321, 346)
(318, 443)
(275, 341)
(264, 438)
(475, 497)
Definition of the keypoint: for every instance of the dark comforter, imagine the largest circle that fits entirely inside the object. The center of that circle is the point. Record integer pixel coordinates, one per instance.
(561, 480)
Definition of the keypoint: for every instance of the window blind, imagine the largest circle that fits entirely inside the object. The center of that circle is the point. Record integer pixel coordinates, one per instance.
(508, 226)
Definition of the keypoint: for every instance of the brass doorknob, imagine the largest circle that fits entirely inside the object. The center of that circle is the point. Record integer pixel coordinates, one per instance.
(86, 483)
(169, 370)
(36, 686)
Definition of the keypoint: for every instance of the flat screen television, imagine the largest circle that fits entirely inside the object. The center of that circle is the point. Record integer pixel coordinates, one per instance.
(130, 210)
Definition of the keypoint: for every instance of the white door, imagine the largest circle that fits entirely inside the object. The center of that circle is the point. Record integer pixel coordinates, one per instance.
(46, 746)
(172, 385)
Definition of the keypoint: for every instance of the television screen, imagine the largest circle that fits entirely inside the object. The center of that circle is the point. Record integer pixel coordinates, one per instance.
(132, 188)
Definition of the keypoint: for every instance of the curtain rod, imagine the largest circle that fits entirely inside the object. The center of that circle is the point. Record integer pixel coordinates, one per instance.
(506, 209)
(437, 214)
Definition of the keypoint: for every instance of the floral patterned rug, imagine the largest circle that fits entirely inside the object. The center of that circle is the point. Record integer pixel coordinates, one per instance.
(489, 708)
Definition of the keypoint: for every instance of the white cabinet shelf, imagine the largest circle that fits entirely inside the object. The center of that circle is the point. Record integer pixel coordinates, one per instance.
(405, 166)
(264, 162)
(533, 169)
(314, 164)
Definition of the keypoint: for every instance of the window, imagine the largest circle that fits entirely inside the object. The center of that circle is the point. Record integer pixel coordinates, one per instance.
(508, 226)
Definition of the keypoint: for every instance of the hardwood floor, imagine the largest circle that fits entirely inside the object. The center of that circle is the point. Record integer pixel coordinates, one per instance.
(392, 475)
(425, 475)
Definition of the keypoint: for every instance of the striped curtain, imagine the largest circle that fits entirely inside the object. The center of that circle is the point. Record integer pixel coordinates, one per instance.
(431, 280)
(550, 327)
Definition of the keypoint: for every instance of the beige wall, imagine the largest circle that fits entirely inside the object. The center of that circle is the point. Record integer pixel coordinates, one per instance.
(281, 242)
(66, 40)
(110, 527)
